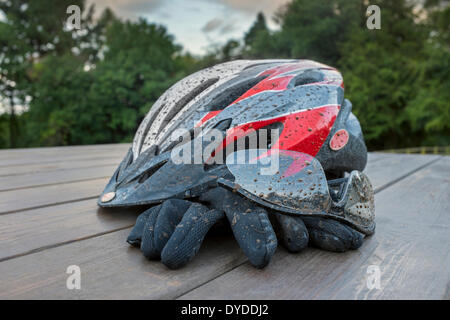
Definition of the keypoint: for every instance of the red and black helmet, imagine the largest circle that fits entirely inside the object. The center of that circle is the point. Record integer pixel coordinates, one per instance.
(302, 99)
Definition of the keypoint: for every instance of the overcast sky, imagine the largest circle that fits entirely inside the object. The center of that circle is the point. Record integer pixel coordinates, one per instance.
(196, 24)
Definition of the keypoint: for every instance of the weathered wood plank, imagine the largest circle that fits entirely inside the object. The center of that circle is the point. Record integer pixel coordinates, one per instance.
(70, 231)
(32, 230)
(54, 177)
(31, 169)
(392, 167)
(22, 199)
(110, 269)
(26, 161)
(43, 284)
(63, 149)
(69, 154)
(375, 156)
(411, 247)
(384, 172)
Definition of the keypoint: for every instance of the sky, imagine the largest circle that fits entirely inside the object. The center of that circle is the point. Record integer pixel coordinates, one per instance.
(196, 24)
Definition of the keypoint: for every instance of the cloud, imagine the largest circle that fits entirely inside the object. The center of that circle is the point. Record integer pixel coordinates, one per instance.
(141, 6)
(129, 9)
(220, 26)
(195, 23)
(269, 7)
(228, 28)
(212, 25)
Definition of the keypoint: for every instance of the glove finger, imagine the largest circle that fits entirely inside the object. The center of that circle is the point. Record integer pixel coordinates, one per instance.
(160, 225)
(135, 236)
(217, 198)
(332, 235)
(250, 224)
(188, 236)
(293, 232)
(254, 233)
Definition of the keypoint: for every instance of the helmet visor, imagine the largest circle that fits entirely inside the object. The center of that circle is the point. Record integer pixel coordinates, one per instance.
(291, 180)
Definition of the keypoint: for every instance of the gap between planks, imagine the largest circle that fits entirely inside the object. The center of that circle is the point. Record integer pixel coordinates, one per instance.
(377, 189)
(411, 249)
(223, 270)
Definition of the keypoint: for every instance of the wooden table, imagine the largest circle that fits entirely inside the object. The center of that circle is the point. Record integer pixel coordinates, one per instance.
(49, 220)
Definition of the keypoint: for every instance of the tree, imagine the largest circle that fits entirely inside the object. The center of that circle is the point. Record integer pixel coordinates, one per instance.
(316, 29)
(260, 42)
(80, 103)
(258, 26)
(30, 31)
(4, 131)
(429, 112)
(140, 63)
(230, 50)
(380, 72)
(59, 104)
(95, 85)
(396, 77)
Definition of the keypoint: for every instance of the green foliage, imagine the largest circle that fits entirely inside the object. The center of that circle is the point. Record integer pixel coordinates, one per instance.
(139, 65)
(380, 72)
(310, 29)
(59, 103)
(95, 86)
(30, 32)
(74, 105)
(258, 27)
(397, 78)
(429, 111)
(4, 130)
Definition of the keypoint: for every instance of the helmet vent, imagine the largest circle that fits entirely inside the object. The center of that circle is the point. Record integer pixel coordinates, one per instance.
(187, 137)
(266, 63)
(228, 96)
(147, 128)
(223, 125)
(148, 173)
(278, 126)
(245, 142)
(188, 98)
(308, 77)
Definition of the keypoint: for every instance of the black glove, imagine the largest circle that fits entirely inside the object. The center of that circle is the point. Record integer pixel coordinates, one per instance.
(174, 230)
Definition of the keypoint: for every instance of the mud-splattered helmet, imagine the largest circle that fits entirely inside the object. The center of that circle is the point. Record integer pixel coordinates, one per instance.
(302, 99)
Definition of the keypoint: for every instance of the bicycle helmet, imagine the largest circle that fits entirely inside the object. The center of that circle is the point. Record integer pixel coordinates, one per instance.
(302, 99)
